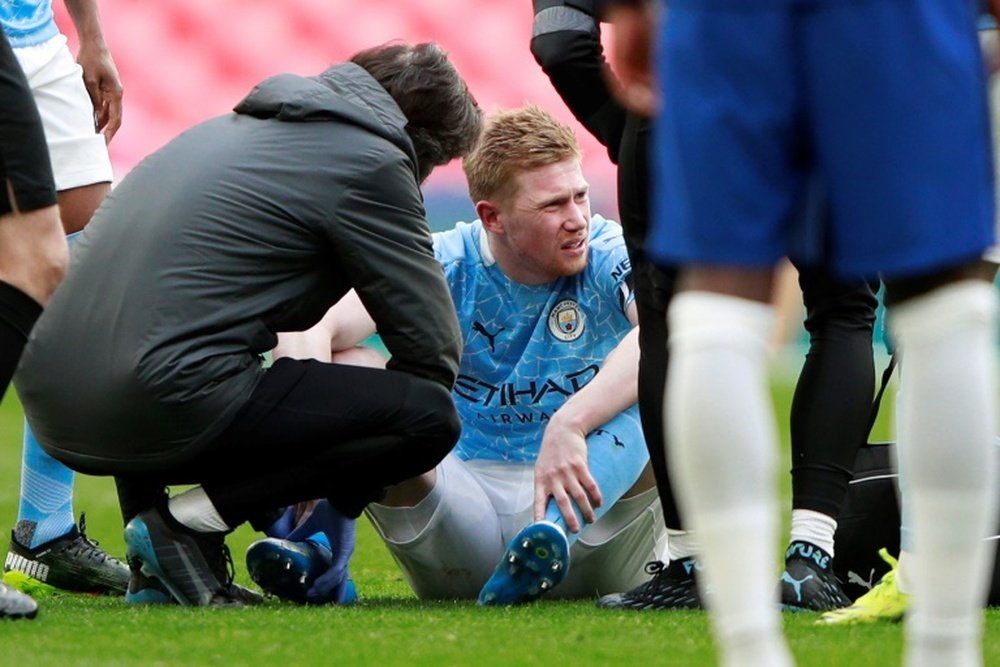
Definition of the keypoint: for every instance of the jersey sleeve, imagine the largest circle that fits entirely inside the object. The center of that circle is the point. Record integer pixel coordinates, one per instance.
(610, 264)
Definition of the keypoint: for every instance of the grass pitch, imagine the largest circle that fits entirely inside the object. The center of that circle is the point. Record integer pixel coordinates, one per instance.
(388, 626)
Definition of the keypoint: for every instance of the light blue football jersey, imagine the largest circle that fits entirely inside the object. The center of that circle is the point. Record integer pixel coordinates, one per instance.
(529, 347)
(27, 22)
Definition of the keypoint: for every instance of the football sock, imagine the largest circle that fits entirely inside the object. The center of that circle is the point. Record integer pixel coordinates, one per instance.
(681, 544)
(813, 527)
(18, 314)
(615, 463)
(194, 509)
(947, 341)
(45, 508)
(723, 447)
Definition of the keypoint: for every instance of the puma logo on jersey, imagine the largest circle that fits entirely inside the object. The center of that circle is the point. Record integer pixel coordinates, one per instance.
(480, 328)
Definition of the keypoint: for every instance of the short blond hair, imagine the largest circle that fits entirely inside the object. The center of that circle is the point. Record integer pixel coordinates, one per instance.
(512, 141)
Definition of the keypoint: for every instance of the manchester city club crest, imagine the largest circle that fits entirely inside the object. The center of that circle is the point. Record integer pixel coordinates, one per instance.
(566, 320)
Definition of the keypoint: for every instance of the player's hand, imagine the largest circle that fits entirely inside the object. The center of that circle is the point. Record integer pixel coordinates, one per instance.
(631, 56)
(104, 86)
(561, 472)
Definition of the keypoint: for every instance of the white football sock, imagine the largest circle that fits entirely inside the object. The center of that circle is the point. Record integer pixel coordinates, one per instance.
(194, 509)
(947, 339)
(815, 528)
(723, 447)
(681, 544)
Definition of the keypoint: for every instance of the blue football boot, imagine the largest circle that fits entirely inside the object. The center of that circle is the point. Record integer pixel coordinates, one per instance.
(289, 570)
(535, 562)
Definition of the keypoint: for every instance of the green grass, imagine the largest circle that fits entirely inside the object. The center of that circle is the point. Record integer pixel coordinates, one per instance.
(388, 626)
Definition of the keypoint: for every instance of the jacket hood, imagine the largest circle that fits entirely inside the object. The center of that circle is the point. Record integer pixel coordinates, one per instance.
(343, 93)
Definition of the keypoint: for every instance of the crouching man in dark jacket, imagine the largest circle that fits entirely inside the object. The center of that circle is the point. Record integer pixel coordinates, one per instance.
(147, 365)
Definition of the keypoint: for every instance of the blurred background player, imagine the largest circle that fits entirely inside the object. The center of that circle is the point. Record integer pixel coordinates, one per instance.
(741, 130)
(832, 400)
(33, 252)
(80, 106)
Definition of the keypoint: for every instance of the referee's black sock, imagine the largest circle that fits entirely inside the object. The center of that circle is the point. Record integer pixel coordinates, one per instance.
(18, 313)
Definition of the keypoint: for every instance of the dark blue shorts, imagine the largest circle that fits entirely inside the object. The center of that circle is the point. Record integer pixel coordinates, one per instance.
(850, 135)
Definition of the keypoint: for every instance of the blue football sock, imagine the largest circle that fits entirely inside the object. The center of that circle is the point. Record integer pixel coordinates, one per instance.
(319, 538)
(45, 511)
(616, 455)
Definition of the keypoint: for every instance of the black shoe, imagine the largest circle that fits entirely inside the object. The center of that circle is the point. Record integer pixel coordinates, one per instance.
(673, 586)
(145, 590)
(194, 567)
(15, 604)
(72, 562)
(808, 582)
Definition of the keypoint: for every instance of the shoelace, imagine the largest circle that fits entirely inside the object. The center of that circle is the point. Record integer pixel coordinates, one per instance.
(87, 547)
(226, 564)
(655, 567)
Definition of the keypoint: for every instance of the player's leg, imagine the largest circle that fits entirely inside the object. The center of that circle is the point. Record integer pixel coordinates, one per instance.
(45, 538)
(447, 543)
(829, 421)
(728, 190)
(949, 460)
(32, 251)
(345, 433)
(537, 559)
(915, 177)
(615, 552)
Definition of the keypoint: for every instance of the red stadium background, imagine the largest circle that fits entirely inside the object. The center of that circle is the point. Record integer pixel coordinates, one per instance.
(182, 61)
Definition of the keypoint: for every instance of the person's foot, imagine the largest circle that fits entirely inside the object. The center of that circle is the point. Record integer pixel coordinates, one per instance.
(808, 582)
(194, 567)
(143, 590)
(673, 586)
(15, 604)
(884, 602)
(72, 562)
(288, 570)
(535, 562)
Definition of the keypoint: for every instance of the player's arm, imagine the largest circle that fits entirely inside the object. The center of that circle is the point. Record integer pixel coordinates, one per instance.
(384, 242)
(566, 42)
(994, 8)
(561, 469)
(344, 326)
(100, 74)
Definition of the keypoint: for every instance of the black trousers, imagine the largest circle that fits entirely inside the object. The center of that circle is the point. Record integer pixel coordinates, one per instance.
(832, 404)
(313, 430)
